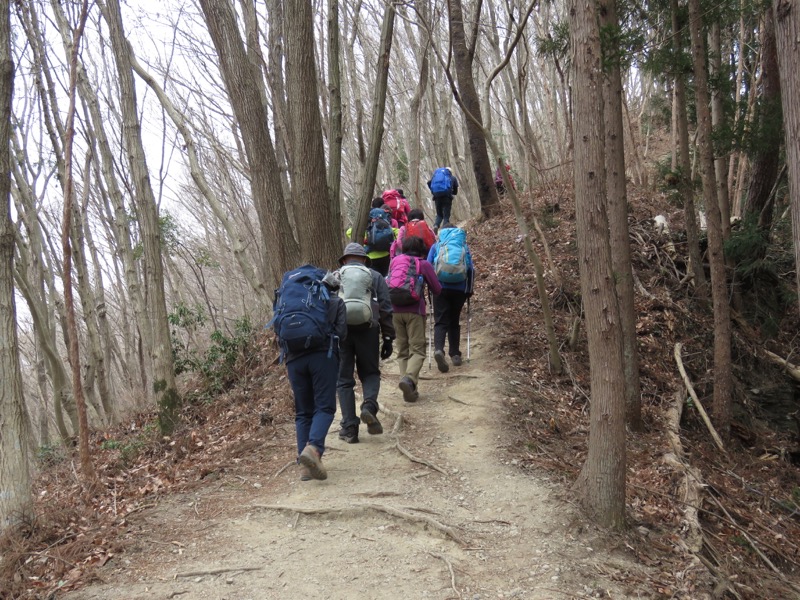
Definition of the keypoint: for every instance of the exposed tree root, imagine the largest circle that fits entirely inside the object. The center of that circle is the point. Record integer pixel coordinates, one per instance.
(416, 459)
(394, 512)
(215, 571)
(446, 561)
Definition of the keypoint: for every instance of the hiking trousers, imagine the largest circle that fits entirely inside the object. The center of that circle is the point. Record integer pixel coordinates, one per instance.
(447, 312)
(359, 352)
(443, 204)
(410, 343)
(313, 380)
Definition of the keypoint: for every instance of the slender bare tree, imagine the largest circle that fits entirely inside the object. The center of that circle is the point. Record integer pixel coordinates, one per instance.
(15, 487)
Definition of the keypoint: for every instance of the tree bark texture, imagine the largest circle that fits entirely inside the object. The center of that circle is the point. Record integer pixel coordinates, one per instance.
(166, 393)
(617, 198)
(320, 243)
(719, 120)
(15, 485)
(765, 163)
(335, 113)
(281, 250)
(601, 484)
(481, 166)
(787, 37)
(723, 373)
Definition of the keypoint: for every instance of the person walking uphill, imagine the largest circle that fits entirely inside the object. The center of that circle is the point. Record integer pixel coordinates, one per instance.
(409, 272)
(452, 262)
(369, 319)
(310, 321)
(443, 186)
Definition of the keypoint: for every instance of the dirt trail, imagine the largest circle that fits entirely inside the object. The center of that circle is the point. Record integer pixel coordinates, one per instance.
(382, 525)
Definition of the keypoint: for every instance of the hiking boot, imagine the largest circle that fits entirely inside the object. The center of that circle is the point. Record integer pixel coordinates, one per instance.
(369, 419)
(441, 361)
(311, 459)
(349, 435)
(305, 473)
(410, 393)
(456, 360)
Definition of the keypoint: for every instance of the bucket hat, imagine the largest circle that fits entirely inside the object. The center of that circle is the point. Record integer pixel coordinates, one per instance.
(352, 249)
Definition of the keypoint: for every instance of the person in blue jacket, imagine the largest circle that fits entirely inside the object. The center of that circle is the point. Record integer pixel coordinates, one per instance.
(447, 306)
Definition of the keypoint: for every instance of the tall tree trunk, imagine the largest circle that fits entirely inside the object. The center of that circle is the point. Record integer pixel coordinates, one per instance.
(320, 244)
(684, 160)
(335, 115)
(787, 34)
(376, 133)
(15, 486)
(160, 349)
(240, 75)
(617, 197)
(601, 484)
(723, 375)
(769, 124)
(719, 123)
(481, 165)
(87, 467)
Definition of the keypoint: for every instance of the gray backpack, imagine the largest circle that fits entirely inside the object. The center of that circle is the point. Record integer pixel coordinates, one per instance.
(356, 291)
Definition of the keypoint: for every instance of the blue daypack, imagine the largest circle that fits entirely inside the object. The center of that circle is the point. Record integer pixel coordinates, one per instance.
(441, 182)
(300, 312)
(450, 262)
(379, 231)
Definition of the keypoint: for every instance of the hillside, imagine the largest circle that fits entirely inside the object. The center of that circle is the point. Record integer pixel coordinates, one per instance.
(160, 496)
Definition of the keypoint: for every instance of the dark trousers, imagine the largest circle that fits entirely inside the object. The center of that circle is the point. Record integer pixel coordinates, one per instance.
(359, 352)
(381, 265)
(444, 205)
(313, 380)
(447, 312)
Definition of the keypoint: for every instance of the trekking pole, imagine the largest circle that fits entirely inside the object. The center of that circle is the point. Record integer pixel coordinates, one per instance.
(469, 322)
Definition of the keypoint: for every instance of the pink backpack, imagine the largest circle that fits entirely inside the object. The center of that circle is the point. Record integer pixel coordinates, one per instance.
(404, 280)
(398, 205)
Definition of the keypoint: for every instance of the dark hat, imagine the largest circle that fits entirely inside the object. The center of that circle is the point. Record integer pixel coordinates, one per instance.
(352, 249)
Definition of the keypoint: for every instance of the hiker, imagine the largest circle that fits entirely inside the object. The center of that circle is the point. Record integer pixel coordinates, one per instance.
(416, 226)
(498, 180)
(409, 272)
(377, 202)
(398, 205)
(369, 320)
(379, 236)
(452, 262)
(310, 321)
(443, 186)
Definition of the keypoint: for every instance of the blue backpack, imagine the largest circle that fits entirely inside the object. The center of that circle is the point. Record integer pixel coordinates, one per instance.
(379, 231)
(450, 262)
(300, 312)
(441, 182)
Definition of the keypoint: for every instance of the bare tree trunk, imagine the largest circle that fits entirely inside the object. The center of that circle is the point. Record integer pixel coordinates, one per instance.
(684, 160)
(718, 122)
(765, 163)
(723, 375)
(787, 32)
(601, 484)
(481, 165)
(320, 244)
(281, 250)
(160, 350)
(617, 196)
(376, 133)
(15, 486)
(335, 116)
(69, 191)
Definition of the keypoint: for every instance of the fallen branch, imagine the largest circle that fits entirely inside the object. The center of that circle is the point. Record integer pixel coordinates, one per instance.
(792, 370)
(454, 399)
(416, 459)
(450, 568)
(215, 571)
(687, 382)
(441, 527)
(283, 468)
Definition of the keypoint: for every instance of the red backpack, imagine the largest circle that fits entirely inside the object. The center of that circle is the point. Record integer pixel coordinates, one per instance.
(398, 205)
(420, 229)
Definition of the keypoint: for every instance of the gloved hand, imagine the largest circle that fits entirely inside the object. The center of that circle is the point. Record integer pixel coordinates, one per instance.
(386, 349)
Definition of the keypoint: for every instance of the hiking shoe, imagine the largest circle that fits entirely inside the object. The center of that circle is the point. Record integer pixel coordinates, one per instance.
(410, 393)
(305, 473)
(311, 459)
(369, 419)
(441, 361)
(456, 360)
(349, 435)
